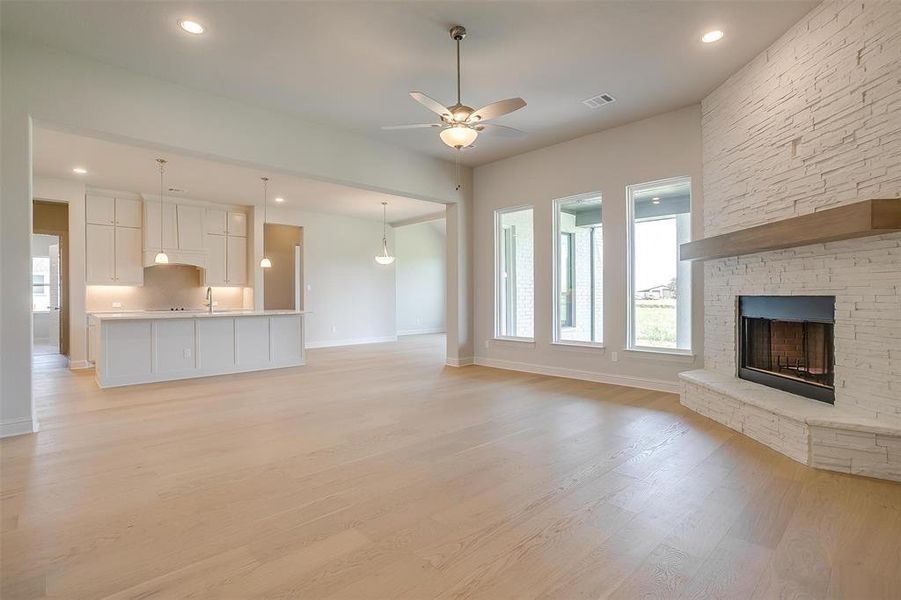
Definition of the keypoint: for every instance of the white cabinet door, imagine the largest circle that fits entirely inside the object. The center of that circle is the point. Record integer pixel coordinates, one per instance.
(100, 252)
(152, 226)
(100, 210)
(129, 267)
(190, 227)
(216, 221)
(236, 271)
(215, 260)
(237, 223)
(128, 212)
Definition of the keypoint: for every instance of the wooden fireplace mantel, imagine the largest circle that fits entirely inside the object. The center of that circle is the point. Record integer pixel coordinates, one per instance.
(861, 219)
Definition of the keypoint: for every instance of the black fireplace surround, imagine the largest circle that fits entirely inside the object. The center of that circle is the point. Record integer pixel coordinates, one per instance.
(787, 342)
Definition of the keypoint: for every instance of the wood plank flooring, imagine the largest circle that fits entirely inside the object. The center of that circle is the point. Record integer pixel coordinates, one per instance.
(376, 472)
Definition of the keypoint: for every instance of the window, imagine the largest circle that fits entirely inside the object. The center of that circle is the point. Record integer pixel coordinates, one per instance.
(659, 283)
(40, 287)
(579, 275)
(514, 274)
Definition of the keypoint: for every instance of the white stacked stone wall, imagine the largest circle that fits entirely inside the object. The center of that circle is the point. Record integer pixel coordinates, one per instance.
(812, 123)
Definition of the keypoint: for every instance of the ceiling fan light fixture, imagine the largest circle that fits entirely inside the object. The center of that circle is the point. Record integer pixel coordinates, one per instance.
(458, 136)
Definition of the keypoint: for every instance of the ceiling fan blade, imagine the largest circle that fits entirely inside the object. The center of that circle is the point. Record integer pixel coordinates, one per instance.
(502, 130)
(431, 104)
(413, 126)
(497, 109)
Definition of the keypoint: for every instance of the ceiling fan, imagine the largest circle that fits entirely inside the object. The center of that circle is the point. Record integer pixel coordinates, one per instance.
(460, 124)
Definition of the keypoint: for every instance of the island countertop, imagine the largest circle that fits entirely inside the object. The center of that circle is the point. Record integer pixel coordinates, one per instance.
(188, 314)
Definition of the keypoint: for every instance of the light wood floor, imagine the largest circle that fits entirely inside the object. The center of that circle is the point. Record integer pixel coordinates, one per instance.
(375, 472)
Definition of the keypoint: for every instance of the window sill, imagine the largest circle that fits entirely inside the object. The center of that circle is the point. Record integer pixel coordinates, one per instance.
(515, 340)
(673, 354)
(582, 345)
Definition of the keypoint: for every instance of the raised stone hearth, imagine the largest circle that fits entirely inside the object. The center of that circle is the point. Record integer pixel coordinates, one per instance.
(810, 432)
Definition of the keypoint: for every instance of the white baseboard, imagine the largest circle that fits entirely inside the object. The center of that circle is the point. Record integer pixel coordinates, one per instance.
(17, 427)
(352, 342)
(75, 365)
(658, 385)
(422, 331)
(460, 362)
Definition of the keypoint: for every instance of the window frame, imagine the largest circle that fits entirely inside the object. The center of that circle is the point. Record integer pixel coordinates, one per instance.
(631, 191)
(498, 283)
(556, 329)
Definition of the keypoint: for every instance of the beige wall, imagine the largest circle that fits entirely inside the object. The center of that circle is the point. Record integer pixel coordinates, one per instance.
(279, 243)
(421, 251)
(664, 146)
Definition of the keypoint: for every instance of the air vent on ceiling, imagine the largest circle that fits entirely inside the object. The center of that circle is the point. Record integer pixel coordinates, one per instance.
(598, 101)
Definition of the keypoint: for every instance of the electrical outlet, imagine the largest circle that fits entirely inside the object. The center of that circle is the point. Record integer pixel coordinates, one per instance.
(334, 328)
(309, 287)
(187, 353)
(486, 344)
(117, 305)
(215, 303)
(614, 356)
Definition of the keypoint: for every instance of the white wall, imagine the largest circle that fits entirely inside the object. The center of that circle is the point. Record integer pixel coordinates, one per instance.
(351, 297)
(421, 251)
(61, 90)
(664, 146)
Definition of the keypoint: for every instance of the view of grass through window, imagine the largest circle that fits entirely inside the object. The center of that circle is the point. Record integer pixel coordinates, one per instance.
(660, 282)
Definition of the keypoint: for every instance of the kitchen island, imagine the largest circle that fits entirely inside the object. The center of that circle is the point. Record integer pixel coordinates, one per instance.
(128, 348)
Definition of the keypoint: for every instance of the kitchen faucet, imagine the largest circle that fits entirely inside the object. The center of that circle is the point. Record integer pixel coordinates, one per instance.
(209, 298)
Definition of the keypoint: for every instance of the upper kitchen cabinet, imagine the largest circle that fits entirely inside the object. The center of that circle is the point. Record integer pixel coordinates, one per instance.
(100, 210)
(128, 212)
(216, 221)
(237, 223)
(190, 227)
(113, 241)
(104, 210)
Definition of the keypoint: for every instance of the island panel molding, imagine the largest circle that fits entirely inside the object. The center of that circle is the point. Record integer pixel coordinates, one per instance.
(860, 219)
(146, 347)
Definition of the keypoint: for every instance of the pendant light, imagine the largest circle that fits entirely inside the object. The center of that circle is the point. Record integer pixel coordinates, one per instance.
(384, 258)
(265, 263)
(161, 257)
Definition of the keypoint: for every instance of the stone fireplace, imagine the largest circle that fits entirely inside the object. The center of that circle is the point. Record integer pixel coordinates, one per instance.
(787, 343)
(787, 137)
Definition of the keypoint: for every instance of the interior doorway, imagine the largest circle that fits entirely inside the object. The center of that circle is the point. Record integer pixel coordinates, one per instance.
(45, 293)
(50, 276)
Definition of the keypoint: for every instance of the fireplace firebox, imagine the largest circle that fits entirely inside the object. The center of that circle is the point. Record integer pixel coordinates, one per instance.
(787, 342)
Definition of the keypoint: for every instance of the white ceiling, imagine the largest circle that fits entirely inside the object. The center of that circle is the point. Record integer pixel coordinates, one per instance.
(351, 64)
(127, 168)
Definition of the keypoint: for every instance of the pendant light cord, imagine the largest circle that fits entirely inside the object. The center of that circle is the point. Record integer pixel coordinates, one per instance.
(265, 198)
(162, 168)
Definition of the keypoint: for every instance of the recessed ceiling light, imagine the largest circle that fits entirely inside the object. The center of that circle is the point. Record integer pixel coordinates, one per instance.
(279, 199)
(191, 26)
(712, 36)
(80, 170)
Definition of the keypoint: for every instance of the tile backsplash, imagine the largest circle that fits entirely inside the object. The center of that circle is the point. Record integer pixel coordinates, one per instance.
(164, 287)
